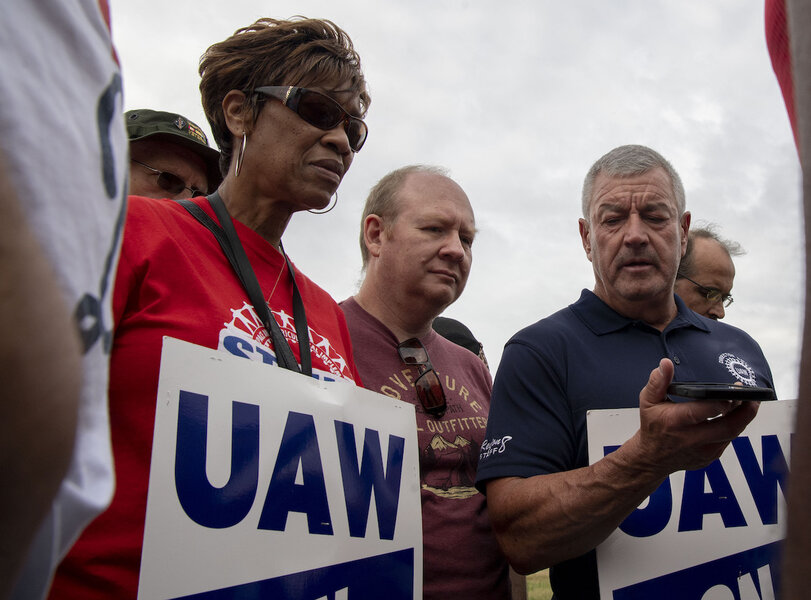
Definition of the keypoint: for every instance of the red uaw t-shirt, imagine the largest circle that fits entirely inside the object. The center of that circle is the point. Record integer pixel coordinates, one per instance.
(461, 558)
(174, 280)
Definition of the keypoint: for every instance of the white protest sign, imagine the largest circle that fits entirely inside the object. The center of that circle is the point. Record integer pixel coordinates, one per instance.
(710, 534)
(269, 484)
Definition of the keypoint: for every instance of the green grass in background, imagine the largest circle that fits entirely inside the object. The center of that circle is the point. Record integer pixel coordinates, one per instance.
(538, 586)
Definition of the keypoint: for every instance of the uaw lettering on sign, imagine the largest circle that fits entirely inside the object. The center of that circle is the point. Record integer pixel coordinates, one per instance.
(708, 491)
(265, 483)
(709, 534)
(299, 453)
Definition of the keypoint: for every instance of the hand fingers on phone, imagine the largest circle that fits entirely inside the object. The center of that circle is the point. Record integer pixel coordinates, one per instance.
(695, 413)
(655, 390)
(731, 420)
(706, 441)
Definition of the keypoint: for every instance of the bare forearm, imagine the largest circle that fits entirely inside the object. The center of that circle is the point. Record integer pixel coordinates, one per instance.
(40, 385)
(543, 520)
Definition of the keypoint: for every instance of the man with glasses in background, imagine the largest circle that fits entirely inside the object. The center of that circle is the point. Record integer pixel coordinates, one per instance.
(706, 272)
(416, 238)
(170, 156)
(549, 506)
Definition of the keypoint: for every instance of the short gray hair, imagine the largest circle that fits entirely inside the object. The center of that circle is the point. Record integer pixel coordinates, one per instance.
(627, 161)
(708, 232)
(382, 199)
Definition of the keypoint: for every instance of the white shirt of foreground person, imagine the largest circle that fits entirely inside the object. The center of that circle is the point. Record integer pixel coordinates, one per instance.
(62, 133)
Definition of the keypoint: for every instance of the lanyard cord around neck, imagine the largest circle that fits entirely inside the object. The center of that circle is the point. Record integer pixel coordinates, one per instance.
(235, 253)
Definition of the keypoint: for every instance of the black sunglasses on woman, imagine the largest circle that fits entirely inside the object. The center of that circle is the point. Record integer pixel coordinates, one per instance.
(319, 110)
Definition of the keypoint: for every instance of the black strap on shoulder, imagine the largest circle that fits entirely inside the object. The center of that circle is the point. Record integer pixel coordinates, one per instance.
(226, 236)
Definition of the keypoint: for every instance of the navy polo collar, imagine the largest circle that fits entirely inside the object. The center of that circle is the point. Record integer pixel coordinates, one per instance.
(601, 318)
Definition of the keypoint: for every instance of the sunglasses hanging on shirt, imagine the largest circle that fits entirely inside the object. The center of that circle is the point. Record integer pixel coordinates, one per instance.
(428, 386)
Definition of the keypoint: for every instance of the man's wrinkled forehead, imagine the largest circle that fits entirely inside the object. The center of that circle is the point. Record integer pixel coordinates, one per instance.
(651, 190)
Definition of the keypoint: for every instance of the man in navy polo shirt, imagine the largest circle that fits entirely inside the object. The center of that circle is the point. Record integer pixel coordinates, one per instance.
(548, 506)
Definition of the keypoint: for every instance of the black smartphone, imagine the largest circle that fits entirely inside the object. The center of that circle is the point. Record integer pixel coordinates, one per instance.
(719, 391)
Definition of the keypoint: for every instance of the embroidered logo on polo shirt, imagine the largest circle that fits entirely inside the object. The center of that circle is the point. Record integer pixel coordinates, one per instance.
(739, 368)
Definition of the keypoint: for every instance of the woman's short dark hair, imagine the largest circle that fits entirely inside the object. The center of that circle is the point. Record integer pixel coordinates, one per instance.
(299, 51)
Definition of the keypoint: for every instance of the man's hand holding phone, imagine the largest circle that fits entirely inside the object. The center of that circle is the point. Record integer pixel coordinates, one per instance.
(674, 436)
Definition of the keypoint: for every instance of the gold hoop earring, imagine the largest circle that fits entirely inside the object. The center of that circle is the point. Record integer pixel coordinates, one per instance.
(240, 155)
(326, 210)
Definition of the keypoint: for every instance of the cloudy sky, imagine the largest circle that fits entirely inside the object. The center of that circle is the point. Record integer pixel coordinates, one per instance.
(518, 99)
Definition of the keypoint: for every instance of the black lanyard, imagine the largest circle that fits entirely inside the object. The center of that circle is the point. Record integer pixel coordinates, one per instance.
(235, 253)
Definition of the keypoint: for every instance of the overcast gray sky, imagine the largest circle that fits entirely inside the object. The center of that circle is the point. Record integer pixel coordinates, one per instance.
(518, 99)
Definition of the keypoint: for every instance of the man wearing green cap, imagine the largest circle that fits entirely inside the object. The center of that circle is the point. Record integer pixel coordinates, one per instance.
(170, 156)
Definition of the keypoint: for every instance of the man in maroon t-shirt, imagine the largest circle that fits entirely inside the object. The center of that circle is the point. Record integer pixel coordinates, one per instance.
(416, 236)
